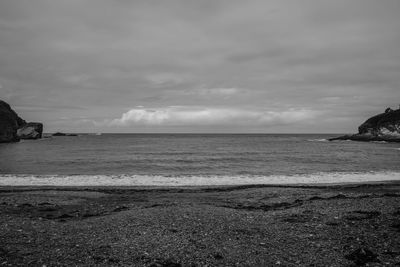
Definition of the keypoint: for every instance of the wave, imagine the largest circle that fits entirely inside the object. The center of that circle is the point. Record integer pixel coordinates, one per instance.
(159, 180)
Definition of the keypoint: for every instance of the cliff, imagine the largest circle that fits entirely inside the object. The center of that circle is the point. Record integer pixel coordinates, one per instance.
(13, 128)
(9, 123)
(382, 127)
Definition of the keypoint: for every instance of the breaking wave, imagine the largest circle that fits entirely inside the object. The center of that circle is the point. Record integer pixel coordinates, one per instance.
(158, 180)
(318, 140)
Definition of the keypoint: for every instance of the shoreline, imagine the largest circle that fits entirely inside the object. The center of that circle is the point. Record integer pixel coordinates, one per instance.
(200, 187)
(126, 180)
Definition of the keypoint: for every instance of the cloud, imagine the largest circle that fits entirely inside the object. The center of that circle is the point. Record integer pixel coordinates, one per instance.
(192, 116)
(272, 56)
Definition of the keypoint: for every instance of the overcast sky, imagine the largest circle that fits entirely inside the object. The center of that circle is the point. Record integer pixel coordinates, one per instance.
(200, 66)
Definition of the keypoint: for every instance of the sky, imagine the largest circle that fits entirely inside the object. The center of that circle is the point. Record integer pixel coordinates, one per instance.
(217, 66)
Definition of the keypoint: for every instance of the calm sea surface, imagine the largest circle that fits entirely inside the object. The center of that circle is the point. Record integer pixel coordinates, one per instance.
(193, 156)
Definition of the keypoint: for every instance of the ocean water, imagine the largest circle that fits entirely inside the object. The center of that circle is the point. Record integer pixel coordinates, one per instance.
(195, 159)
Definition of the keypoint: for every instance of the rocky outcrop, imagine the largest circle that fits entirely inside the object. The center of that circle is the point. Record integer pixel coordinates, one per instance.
(63, 134)
(31, 130)
(382, 127)
(13, 128)
(9, 123)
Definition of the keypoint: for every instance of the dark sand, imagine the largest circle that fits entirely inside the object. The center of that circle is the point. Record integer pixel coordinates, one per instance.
(343, 225)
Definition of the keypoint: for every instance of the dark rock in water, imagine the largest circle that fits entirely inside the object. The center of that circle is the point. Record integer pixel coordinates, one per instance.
(9, 123)
(59, 134)
(63, 134)
(31, 130)
(362, 256)
(382, 127)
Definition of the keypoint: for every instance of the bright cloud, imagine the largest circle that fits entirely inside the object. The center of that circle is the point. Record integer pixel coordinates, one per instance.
(210, 116)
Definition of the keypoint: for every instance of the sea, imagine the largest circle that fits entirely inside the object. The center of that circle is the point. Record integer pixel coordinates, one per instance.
(195, 160)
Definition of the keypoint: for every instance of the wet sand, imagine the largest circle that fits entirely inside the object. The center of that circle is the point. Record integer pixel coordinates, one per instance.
(337, 225)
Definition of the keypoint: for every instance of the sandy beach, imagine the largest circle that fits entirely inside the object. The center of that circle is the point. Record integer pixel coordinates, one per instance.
(336, 225)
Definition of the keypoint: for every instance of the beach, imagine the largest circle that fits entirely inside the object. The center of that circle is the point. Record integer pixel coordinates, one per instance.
(250, 225)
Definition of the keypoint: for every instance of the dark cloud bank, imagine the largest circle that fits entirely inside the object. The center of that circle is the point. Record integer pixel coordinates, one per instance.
(200, 66)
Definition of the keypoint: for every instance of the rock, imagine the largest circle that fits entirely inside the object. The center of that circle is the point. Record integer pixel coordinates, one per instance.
(382, 127)
(362, 256)
(13, 128)
(31, 130)
(63, 134)
(9, 123)
(59, 134)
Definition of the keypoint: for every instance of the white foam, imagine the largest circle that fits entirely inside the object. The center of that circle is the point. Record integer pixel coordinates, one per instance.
(318, 140)
(149, 180)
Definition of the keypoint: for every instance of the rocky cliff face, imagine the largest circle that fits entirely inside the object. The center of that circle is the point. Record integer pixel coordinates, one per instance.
(9, 123)
(382, 127)
(13, 128)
